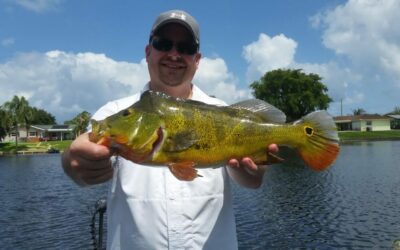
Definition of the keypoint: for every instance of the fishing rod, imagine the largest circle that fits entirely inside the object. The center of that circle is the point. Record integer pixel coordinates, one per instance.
(100, 209)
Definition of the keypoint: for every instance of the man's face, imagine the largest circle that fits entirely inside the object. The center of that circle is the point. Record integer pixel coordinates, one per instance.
(171, 68)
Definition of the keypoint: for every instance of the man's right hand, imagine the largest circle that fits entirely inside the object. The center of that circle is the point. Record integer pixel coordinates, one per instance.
(86, 162)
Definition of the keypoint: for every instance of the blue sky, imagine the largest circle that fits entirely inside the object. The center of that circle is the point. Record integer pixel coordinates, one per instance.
(68, 56)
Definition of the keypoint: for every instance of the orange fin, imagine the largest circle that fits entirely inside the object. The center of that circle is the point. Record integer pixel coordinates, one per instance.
(321, 159)
(183, 171)
(105, 141)
(321, 146)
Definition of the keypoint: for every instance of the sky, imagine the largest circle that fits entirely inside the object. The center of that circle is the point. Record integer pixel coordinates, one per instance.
(68, 56)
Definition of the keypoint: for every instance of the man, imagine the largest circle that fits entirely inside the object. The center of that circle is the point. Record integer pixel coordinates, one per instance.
(148, 208)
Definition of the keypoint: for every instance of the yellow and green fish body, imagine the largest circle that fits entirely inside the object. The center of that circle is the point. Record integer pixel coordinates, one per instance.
(183, 134)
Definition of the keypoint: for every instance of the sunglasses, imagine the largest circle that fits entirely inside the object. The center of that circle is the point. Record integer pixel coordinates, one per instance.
(165, 45)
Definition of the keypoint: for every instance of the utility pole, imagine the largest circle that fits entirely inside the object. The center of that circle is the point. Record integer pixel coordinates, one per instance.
(341, 106)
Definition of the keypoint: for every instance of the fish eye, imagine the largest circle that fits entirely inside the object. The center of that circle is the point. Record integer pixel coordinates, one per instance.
(309, 131)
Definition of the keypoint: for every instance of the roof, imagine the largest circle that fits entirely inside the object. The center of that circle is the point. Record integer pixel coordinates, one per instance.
(53, 128)
(351, 118)
(395, 116)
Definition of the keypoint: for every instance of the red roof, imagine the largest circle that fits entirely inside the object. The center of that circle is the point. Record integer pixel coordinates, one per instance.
(361, 117)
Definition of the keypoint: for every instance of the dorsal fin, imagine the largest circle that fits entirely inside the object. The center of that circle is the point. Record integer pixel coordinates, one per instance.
(266, 111)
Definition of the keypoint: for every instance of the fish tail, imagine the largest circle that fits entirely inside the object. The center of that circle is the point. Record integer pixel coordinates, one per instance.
(320, 144)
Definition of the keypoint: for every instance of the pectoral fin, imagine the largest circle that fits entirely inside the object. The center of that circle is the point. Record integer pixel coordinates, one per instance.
(183, 171)
(266, 158)
(180, 141)
(273, 159)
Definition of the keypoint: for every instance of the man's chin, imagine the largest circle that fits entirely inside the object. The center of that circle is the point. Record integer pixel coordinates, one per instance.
(173, 83)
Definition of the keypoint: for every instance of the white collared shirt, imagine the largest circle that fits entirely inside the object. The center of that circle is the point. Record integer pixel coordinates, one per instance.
(148, 208)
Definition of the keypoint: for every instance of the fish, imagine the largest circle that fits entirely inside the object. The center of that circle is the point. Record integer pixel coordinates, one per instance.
(183, 134)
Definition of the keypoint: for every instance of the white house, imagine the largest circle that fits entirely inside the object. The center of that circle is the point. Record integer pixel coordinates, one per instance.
(365, 122)
(43, 133)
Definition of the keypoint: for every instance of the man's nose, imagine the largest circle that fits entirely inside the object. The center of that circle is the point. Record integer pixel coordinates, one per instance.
(174, 52)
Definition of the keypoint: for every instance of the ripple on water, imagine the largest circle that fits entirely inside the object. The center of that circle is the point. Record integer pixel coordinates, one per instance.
(353, 205)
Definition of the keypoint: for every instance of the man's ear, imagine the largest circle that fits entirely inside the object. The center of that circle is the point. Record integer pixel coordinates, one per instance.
(147, 51)
(197, 59)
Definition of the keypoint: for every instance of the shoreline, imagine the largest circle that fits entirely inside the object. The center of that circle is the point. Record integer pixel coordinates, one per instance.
(23, 152)
(368, 139)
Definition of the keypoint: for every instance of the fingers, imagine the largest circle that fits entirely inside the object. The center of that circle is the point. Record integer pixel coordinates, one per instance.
(273, 148)
(86, 162)
(234, 163)
(98, 176)
(248, 162)
(84, 148)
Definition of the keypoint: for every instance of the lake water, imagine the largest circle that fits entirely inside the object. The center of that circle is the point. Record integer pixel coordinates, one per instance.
(353, 205)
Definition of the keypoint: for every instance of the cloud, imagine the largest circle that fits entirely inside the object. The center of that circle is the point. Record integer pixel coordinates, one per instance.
(364, 73)
(38, 5)
(268, 53)
(215, 79)
(65, 84)
(8, 42)
(343, 84)
(366, 33)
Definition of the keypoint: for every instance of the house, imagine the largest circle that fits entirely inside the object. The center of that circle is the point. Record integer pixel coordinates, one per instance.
(366, 122)
(395, 123)
(43, 133)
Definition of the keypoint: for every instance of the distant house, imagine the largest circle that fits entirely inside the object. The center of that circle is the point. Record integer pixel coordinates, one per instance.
(367, 122)
(395, 123)
(43, 133)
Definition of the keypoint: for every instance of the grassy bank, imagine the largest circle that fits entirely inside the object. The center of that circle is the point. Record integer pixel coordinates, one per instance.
(37, 147)
(371, 135)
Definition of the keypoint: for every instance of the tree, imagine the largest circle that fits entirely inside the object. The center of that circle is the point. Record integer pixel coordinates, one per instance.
(81, 122)
(359, 111)
(40, 116)
(396, 111)
(5, 123)
(21, 114)
(292, 91)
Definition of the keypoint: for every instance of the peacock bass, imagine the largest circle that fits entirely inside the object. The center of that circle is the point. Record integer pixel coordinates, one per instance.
(184, 134)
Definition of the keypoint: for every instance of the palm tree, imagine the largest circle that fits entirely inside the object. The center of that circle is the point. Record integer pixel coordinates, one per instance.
(5, 123)
(80, 123)
(358, 111)
(20, 112)
(396, 110)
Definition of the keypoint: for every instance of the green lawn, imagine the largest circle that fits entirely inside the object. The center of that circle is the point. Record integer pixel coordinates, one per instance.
(371, 135)
(9, 147)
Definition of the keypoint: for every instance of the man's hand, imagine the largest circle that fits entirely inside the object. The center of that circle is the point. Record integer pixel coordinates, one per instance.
(86, 162)
(246, 172)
